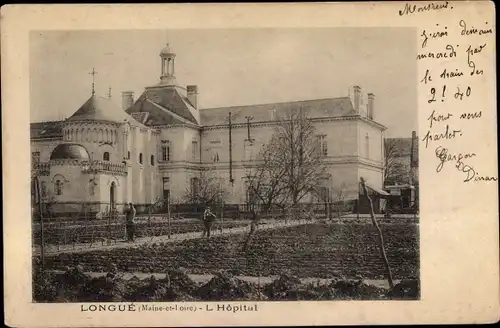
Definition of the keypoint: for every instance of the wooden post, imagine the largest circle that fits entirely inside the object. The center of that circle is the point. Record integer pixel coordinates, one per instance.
(168, 218)
(258, 285)
(222, 216)
(380, 236)
(42, 237)
(357, 208)
(230, 151)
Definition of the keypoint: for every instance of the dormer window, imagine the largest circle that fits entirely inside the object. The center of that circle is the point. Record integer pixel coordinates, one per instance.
(105, 156)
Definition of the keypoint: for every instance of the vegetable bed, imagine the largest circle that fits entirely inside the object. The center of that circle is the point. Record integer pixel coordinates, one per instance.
(74, 285)
(314, 250)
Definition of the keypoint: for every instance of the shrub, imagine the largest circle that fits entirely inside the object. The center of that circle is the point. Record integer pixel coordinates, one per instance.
(224, 286)
(356, 289)
(406, 289)
(280, 288)
(103, 289)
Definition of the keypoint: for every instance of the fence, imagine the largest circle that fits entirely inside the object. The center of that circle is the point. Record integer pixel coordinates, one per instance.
(112, 229)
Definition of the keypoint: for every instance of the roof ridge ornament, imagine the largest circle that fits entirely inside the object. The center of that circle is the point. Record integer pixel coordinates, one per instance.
(93, 73)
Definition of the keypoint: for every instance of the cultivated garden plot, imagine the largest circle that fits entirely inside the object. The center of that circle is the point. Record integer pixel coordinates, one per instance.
(319, 250)
(96, 232)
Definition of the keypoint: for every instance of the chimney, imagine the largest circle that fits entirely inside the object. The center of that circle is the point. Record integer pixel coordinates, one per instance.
(370, 105)
(192, 95)
(127, 99)
(356, 97)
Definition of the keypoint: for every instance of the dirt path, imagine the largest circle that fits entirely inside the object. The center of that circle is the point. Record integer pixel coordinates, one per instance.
(87, 247)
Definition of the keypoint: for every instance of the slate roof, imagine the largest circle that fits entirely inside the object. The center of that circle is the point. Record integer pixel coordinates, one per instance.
(70, 151)
(140, 117)
(50, 129)
(167, 98)
(317, 108)
(98, 108)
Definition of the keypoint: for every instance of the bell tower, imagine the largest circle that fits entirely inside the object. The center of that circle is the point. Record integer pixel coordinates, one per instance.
(167, 66)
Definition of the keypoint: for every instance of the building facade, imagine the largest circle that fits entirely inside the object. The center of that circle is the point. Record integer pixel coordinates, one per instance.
(155, 146)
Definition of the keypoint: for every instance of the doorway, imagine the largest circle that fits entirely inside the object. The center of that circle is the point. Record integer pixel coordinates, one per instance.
(112, 195)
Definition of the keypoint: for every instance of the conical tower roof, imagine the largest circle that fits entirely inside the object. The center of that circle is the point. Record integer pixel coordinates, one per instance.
(98, 108)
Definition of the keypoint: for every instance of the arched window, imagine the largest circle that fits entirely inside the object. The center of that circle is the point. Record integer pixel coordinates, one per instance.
(105, 156)
(140, 158)
(44, 189)
(128, 155)
(152, 160)
(58, 187)
(367, 146)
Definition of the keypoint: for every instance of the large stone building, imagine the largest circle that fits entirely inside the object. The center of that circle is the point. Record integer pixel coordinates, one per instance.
(155, 146)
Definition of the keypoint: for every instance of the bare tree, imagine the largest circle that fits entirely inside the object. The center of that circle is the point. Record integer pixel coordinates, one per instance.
(288, 169)
(380, 236)
(298, 149)
(265, 187)
(395, 169)
(206, 189)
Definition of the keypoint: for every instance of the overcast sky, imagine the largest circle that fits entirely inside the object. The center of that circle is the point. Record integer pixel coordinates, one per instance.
(230, 67)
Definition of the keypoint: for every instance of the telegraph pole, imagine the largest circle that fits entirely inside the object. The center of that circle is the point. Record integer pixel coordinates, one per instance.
(249, 118)
(40, 209)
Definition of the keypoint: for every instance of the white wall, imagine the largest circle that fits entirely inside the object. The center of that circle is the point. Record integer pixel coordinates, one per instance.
(375, 152)
(341, 136)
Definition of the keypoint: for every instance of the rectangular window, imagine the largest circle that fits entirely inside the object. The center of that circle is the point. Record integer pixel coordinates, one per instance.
(323, 145)
(194, 187)
(165, 150)
(166, 183)
(166, 189)
(194, 147)
(272, 114)
(35, 158)
(367, 146)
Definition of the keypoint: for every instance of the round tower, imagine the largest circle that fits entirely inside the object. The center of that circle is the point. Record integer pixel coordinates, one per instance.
(167, 66)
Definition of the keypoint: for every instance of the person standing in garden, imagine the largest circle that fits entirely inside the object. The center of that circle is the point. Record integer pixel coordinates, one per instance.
(208, 219)
(130, 224)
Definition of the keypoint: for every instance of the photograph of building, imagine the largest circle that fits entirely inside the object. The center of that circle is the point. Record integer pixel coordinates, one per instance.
(154, 147)
(256, 165)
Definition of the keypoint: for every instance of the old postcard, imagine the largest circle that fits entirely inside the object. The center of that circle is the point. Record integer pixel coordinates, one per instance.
(228, 165)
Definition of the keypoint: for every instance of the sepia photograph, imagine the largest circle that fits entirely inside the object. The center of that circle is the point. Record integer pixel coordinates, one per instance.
(264, 164)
